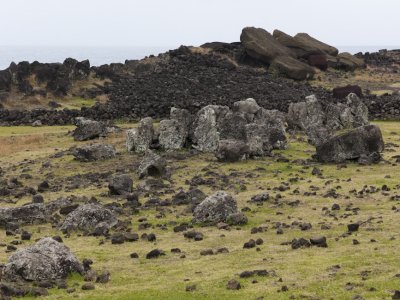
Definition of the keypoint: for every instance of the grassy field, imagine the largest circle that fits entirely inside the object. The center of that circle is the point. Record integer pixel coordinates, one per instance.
(341, 271)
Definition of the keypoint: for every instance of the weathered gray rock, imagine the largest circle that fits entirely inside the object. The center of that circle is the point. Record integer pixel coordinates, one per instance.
(139, 139)
(94, 152)
(205, 134)
(88, 130)
(232, 150)
(260, 45)
(248, 108)
(362, 141)
(32, 213)
(358, 109)
(346, 61)
(47, 260)
(173, 134)
(120, 185)
(183, 116)
(215, 208)
(292, 68)
(233, 127)
(89, 218)
(153, 165)
(258, 139)
(302, 115)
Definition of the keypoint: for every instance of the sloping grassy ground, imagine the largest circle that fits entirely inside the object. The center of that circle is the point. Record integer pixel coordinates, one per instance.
(341, 271)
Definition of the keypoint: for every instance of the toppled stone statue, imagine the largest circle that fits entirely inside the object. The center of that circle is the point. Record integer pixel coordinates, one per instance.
(364, 144)
(47, 260)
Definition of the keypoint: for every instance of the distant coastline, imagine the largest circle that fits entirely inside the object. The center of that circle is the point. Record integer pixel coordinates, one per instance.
(105, 55)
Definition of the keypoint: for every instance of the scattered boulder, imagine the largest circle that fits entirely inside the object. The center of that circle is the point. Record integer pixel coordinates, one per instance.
(172, 135)
(215, 208)
(152, 165)
(232, 150)
(94, 152)
(139, 139)
(47, 260)
(89, 130)
(120, 185)
(91, 219)
(365, 140)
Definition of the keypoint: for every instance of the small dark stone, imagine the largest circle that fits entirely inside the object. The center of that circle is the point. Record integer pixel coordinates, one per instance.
(88, 286)
(154, 254)
(233, 285)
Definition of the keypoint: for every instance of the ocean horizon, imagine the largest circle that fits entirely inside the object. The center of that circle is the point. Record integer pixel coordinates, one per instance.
(100, 55)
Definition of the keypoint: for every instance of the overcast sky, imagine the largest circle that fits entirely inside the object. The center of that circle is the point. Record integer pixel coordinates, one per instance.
(193, 22)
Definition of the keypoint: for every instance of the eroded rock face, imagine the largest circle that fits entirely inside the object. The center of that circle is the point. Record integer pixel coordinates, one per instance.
(89, 130)
(358, 143)
(232, 150)
(94, 152)
(215, 208)
(47, 260)
(89, 218)
(139, 139)
(153, 165)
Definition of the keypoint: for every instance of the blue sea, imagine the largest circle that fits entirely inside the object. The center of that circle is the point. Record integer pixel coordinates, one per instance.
(106, 55)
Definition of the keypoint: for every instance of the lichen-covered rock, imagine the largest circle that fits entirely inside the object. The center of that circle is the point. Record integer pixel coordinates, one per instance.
(302, 115)
(173, 135)
(215, 208)
(358, 109)
(120, 185)
(153, 165)
(47, 260)
(356, 143)
(89, 218)
(248, 108)
(139, 139)
(89, 130)
(205, 134)
(232, 150)
(233, 127)
(94, 152)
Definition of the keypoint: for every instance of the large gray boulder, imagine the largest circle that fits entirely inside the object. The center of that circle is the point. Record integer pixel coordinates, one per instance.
(302, 115)
(206, 135)
(215, 208)
(233, 127)
(47, 260)
(89, 218)
(292, 68)
(173, 135)
(232, 150)
(32, 213)
(89, 130)
(358, 143)
(120, 185)
(248, 108)
(94, 152)
(358, 109)
(153, 165)
(261, 45)
(139, 139)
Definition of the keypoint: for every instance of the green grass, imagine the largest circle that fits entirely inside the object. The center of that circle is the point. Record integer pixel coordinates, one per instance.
(305, 272)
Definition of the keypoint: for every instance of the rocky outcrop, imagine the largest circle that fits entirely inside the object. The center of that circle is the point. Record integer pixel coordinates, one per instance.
(94, 152)
(215, 208)
(361, 143)
(232, 150)
(89, 218)
(47, 260)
